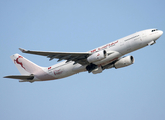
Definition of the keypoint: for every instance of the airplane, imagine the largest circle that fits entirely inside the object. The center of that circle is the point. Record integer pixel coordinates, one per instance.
(94, 61)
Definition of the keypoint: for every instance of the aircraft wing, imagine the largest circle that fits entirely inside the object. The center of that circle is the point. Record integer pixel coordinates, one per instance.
(22, 77)
(77, 57)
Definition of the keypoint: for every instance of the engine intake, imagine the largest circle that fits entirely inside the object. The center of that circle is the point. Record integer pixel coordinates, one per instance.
(123, 62)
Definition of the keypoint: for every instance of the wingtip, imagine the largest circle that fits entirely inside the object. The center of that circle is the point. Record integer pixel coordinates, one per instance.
(22, 50)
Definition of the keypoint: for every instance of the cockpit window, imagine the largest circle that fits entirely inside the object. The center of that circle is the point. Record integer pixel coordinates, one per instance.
(154, 30)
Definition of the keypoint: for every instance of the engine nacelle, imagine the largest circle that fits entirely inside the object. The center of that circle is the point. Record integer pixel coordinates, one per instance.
(123, 62)
(97, 56)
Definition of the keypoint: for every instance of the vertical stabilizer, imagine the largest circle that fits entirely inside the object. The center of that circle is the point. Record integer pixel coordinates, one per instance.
(24, 66)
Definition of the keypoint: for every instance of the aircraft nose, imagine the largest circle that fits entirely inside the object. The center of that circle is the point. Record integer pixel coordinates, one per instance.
(158, 35)
(161, 32)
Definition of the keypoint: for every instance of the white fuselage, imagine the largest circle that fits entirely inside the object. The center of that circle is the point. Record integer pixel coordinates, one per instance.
(120, 47)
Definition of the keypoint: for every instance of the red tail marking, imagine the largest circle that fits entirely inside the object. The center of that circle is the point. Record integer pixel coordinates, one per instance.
(19, 62)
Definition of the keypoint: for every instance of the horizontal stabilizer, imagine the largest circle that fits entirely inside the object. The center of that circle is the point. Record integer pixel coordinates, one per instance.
(22, 77)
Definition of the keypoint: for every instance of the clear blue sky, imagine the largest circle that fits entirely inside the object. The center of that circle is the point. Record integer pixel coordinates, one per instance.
(136, 92)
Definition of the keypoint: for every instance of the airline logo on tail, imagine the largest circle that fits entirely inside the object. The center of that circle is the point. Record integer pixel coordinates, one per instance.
(20, 63)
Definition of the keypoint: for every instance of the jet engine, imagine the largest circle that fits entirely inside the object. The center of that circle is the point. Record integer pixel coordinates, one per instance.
(123, 62)
(97, 56)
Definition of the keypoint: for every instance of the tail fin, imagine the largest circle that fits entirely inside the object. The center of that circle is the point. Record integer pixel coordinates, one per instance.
(24, 66)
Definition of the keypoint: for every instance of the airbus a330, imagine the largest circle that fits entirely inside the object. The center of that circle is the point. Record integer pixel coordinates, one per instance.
(94, 61)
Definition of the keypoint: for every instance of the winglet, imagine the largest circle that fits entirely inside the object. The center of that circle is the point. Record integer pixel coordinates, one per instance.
(22, 50)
